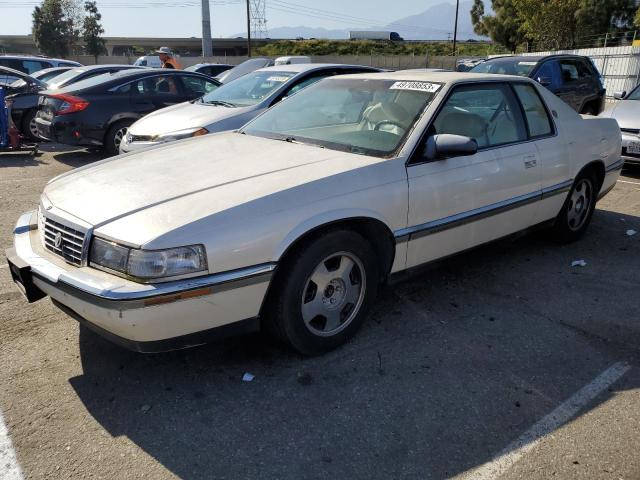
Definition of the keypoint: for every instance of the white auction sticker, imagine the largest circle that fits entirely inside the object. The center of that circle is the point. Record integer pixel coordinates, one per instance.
(528, 64)
(419, 86)
(277, 79)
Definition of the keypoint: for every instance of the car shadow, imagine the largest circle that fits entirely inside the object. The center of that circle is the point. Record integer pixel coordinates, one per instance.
(452, 365)
(20, 159)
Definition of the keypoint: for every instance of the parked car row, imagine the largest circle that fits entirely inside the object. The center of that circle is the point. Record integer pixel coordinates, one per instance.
(293, 221)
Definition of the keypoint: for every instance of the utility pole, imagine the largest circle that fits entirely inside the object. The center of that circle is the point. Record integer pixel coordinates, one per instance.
(248, 29)
(207, 49)
(455, 28)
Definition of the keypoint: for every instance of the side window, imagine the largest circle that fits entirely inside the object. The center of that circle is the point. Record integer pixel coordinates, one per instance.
(306, 82)
(195, 87)
(569, 71)
(488, 113)
(32, 66)
(584, 71)
(162, 85)
(534, 111)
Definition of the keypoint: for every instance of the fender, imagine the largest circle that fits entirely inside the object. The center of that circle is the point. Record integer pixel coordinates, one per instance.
(325, 219)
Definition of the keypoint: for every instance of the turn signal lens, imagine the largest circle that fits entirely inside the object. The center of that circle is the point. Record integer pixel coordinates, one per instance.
(198, 133)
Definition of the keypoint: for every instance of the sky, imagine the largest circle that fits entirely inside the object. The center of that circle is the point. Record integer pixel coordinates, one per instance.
(181, 18)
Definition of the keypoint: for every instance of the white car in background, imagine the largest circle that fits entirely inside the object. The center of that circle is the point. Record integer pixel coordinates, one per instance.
(626, 111)
(229, 106)
(293, 222)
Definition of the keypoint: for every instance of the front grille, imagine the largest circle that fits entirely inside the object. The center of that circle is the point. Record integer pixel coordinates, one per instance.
(64, 241)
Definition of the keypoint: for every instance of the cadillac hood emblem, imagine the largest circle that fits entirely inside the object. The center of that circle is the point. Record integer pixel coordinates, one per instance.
(57, 240)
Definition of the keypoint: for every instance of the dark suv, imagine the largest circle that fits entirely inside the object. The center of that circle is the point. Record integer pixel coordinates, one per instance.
(573, 78)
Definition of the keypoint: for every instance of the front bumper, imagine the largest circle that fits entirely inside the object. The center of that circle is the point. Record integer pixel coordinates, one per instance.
(141, 317)
(627, 138)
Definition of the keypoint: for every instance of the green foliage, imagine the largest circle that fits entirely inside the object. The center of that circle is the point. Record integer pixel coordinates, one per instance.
(503, 27)
(597, 16)
(369, 47)
(52, 30)
(92, 29)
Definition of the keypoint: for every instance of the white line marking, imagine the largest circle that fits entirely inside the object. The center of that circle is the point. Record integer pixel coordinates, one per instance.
(564, 412)
(626, 181)
(9, 468)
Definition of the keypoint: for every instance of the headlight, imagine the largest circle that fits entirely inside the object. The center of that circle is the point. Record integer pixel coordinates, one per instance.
(180, 134)
(147, 264)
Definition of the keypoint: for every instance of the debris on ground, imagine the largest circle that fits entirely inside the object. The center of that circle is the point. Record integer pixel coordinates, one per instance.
(631, 232)
(145, 408)
(578, 263)
(248, 377)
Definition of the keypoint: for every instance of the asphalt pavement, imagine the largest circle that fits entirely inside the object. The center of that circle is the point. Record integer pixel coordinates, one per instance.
(503, 362)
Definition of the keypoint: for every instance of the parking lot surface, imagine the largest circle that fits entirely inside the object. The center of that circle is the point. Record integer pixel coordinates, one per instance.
(503, 362)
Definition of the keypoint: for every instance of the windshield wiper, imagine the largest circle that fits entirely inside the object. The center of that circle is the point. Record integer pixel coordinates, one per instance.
(220, 102)
(294, 140)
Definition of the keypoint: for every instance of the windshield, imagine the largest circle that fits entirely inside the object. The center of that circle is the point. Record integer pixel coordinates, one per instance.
(365, 116)
(245, 67)
(506, 66)
(635, 94)
(247, 90)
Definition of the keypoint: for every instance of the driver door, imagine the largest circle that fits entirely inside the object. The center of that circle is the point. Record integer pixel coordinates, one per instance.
(457, 203)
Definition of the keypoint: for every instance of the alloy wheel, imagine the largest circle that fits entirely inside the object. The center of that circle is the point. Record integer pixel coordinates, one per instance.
(333, 294)
(579, 204)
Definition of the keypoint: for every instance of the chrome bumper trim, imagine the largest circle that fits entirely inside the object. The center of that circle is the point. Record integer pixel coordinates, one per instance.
(615, 166)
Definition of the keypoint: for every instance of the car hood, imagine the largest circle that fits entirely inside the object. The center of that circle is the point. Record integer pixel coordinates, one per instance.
(151, 192)
(627, 113)
(184, 116)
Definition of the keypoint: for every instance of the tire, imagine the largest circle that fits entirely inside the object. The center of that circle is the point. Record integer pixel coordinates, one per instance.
(114, 136)
(575, 216)
(29, 129)
(323, 292)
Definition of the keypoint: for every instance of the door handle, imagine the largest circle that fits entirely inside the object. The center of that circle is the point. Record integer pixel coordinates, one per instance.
(530, 161)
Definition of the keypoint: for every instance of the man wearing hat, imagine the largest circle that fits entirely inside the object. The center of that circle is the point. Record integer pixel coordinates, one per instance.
(166, 57)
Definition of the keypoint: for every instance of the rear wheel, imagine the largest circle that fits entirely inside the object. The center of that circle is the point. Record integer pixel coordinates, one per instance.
(115, 135)
(29, 126)
(324, 292)
(576, 213)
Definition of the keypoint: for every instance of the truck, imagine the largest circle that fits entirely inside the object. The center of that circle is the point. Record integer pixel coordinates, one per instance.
(374, 35)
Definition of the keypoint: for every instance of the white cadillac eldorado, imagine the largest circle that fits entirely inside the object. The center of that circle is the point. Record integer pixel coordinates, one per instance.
(293, 222)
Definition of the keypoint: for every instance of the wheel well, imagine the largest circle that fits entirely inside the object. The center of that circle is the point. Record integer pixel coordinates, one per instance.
(374, 231)
(592, 105)
(597, 168)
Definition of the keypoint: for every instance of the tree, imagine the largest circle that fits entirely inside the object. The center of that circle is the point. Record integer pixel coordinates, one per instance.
(503, 27)
(52, 31)
(92, 29)
(550, 24)
(595, 17)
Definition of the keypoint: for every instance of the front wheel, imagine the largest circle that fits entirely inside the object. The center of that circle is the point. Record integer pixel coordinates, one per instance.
(114, 137)
(576, 213)
(323, 293)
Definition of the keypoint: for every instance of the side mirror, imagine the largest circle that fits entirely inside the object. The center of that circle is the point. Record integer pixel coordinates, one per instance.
(446, 145)
(619, 95)
(544, 81)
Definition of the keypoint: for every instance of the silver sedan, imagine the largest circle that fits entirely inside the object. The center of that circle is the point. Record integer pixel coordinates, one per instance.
(230, 106)
(627, 112)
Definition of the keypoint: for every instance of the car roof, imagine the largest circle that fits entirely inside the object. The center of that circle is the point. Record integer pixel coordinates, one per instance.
(306, 67)
(438, 77)
(87, 68)
(212, 65)
(533, 58)
(38, 57)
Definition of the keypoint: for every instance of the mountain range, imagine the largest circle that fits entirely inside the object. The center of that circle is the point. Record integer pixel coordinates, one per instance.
(435, 23)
